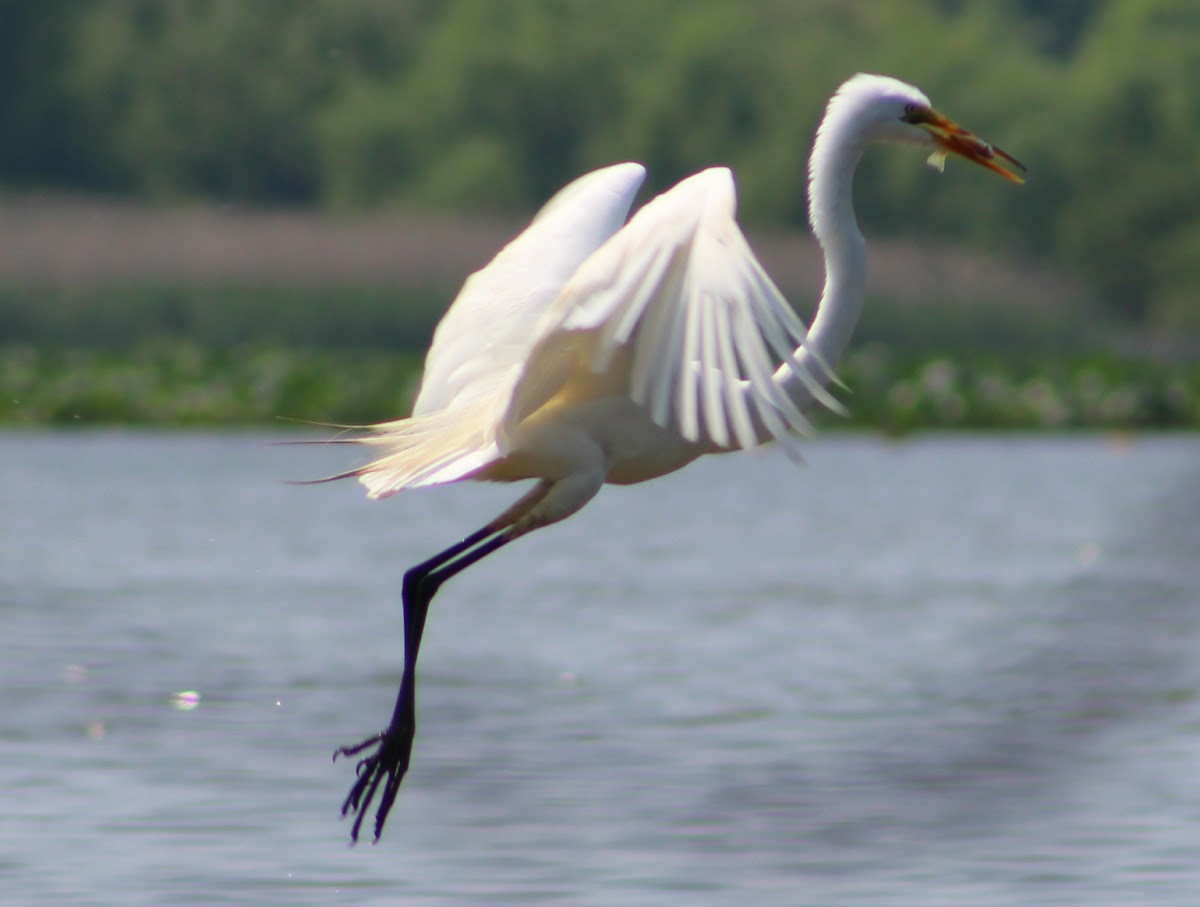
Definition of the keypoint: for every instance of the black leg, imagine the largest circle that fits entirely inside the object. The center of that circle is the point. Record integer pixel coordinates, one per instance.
(393, 747)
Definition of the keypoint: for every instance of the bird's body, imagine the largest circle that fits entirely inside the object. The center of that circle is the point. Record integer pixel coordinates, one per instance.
(593, 351)
(557, 381)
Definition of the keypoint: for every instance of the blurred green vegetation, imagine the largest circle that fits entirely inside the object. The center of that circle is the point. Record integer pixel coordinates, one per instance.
(477, 106)
(183, 383)
(463, 104)
(243, 355)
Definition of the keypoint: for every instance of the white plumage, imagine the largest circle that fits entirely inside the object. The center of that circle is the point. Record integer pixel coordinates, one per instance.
(593, 351)
(670, 322)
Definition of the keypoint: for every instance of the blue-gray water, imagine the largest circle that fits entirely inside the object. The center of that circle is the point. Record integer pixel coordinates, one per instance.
(952, 671)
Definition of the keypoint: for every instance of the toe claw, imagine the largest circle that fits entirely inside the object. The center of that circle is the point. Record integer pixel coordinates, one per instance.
(384, 767)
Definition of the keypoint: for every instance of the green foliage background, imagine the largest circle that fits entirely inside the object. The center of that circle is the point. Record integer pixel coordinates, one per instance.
(469, 104)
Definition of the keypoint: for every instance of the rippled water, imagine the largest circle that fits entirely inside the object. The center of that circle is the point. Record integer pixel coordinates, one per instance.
(953, 671)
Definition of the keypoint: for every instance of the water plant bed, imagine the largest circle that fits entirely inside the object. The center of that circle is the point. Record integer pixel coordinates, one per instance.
(176, 382)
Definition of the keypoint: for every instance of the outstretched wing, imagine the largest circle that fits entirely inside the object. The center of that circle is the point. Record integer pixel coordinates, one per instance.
(488, 330)
(680, 290)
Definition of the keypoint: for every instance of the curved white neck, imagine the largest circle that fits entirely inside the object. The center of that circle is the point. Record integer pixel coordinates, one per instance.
(835, 157)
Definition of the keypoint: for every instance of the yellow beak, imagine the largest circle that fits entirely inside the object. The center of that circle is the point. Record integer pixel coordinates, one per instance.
(953, 139)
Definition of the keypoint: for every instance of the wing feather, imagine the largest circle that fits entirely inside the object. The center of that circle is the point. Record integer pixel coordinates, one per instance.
(483, 342)
(783, 418)
(710, 373)
(781, 315)
(490, 327)
(702, 326)
(659, 330)
(629, 311)
(688, 376)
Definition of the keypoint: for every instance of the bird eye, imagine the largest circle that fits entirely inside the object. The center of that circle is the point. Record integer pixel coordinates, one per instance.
(910, 113)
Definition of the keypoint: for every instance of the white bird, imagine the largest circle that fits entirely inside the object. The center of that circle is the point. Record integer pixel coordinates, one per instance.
(591, 350)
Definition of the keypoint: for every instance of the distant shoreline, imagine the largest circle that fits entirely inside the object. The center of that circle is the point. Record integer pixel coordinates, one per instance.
(65, 240)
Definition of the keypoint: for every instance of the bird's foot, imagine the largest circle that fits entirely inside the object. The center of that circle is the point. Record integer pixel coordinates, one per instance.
(386, 765)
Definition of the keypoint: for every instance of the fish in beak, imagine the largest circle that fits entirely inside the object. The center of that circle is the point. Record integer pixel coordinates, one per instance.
(950, 138)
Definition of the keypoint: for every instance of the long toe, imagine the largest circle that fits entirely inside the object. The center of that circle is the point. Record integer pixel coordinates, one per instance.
(389, 761)
(355, 749)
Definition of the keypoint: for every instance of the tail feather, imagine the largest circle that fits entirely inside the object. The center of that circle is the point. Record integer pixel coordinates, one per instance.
(431, 449)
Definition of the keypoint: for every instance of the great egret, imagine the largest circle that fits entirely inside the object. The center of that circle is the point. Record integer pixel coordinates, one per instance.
(588, 351)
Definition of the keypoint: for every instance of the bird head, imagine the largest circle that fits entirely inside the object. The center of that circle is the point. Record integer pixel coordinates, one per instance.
(893, 111)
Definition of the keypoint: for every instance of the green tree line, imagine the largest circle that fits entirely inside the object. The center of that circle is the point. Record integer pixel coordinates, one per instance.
(474, 104)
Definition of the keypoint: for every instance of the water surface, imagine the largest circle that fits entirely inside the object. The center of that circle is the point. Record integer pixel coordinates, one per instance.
(955, 670)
